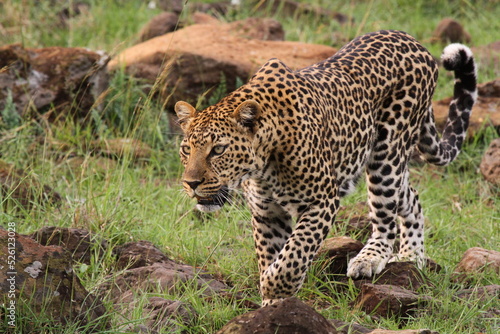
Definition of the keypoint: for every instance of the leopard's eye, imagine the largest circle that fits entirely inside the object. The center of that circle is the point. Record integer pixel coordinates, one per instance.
(218, 149)
(186, 149)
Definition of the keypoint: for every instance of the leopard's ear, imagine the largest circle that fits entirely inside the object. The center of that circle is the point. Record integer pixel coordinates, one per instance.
(247, 114)
(184, 112)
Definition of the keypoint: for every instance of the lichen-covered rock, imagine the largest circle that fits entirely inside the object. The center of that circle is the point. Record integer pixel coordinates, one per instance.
(69, 80)
(490, 164)
(290, 316)
(43, 281)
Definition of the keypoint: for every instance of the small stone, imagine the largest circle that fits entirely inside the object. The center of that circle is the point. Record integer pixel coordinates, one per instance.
(388, 300)
(138, 254)
(477, 260)
(160, 24)
(451, 31)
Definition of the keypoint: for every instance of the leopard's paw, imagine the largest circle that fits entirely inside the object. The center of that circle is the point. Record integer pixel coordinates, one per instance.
(365, 266)
(267, 302)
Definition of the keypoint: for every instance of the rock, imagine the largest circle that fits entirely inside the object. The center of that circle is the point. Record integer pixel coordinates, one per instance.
(401, 274)
(20, 188)
(64, 81)
(80, 243)
(199, 57)
(166, 275)
(490, 163)
(203, 18)
(160, 24)
(477, 260)
(122, 147)
(138, 254)
(264, 29)
(489, 89)
(388, 300)
(483, 293)
(290, 316)
(338, 251)
(451, 31)
(44, 283)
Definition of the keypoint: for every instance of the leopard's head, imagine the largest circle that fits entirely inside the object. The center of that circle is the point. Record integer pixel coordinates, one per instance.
(217, 150)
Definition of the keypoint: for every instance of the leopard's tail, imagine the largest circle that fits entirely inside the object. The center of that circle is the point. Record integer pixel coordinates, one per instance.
(458, 58)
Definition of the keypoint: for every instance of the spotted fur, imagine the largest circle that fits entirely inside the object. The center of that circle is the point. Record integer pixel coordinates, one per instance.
(297, 141)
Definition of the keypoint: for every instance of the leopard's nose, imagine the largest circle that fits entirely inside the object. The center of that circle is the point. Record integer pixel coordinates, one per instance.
(194, 184)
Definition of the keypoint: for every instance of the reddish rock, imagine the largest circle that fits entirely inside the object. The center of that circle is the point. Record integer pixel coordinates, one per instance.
(490, 164)
(338, 251)
(476, 260)
(489, 89)
(66, 81)
(388, 300)
(401, 274)
(80, 243)
(151, 270)
(187, 63)
(451, 31)
(138, 254)
(290, 316)
(43, 281)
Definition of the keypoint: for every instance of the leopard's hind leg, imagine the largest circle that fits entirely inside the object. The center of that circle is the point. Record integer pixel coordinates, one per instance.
(384, 177)
(411, 225)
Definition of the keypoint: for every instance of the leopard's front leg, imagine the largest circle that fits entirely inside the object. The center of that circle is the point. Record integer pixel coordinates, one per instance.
(285, 275)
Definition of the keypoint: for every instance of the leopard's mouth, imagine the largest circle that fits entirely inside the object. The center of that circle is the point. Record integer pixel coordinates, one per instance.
(213, 203)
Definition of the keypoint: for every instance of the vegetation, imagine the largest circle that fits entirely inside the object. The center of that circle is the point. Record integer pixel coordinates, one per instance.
(142, 200)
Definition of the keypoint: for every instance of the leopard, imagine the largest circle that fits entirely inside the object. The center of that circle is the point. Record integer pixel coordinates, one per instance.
(294, 142)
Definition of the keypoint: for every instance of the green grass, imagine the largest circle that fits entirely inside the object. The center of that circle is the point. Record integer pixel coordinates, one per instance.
(144, 200)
